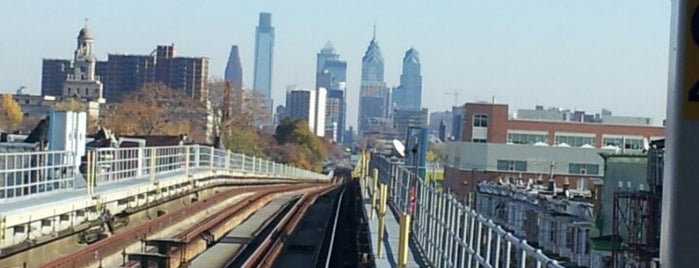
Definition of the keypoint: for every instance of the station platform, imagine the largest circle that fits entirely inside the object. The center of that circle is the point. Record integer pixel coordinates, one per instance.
(390, 240)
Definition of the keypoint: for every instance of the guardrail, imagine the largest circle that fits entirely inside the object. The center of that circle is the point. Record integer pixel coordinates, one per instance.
(29, 173)
(449, 233)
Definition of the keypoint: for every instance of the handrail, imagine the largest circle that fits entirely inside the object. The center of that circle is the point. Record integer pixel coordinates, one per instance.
(30, 173)
(449, 233)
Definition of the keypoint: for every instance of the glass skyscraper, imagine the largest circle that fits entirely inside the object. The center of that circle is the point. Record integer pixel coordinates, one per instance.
(374, 95)
(331, 74)
(408, 95)
(264, 46)
(234, 70)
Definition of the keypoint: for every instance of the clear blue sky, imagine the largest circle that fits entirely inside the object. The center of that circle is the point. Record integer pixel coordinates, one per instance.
(572, 54)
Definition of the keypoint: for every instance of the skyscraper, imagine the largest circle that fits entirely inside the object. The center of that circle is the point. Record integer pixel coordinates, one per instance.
(264, 45)
(234, 70)
(409, 94)
(374, 95)
(331, 73)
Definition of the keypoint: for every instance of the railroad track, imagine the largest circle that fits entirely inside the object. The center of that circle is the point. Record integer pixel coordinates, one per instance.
(186, 244)
(269, 250)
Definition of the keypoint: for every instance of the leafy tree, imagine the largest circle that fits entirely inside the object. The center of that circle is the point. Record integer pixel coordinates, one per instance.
(69, 105)
(12, 114)
(306, 149)
(156, 109)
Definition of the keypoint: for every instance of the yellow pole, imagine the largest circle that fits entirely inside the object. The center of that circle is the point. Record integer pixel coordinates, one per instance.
(382, 218)
(374, 188)
(404, 238)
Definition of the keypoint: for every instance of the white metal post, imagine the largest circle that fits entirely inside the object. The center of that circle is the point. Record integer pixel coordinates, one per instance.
(153, 156)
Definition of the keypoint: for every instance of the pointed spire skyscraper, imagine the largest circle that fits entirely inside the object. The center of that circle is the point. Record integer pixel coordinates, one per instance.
(374, 95)
(234, 70)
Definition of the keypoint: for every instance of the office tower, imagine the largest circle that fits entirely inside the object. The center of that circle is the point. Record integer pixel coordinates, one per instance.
(264, 46)
(307, 104)
(124, 74)
(190, 75)
(409, 94)
(234, 70)
(331, 73)
(53, 74)
(82, 83)
(374, 95)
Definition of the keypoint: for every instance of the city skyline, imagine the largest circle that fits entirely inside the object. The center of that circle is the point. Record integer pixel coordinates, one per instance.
(604, 55)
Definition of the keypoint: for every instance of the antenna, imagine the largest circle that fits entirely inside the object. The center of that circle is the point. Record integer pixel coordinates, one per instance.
(456, 96)
(85, 22)
(374, 36)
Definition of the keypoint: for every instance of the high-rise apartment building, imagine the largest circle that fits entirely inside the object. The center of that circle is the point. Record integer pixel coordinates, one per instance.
(374, 95)
(408, 95)
(121, 74)
(307, 104)
(234, 70)
(264, 46)
(331, 73)
(53, 74)
(126, 73)
(187, 74)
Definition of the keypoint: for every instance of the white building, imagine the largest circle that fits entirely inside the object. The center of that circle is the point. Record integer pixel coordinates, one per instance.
(308, 104)
(83, 84)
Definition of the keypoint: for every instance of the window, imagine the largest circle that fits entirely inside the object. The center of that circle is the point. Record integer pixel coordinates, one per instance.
(512, 165)
(526, 138)
(575, 141)
(479, 140)
(575, 168)
(480, 120)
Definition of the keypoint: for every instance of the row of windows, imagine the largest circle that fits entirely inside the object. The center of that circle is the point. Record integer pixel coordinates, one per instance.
(575, 141)
(522, 138)
(632, 144)
(512, 165)
(575, 168)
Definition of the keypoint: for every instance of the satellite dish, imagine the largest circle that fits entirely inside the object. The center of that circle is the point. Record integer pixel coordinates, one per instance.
(399, 147)
(646, 145)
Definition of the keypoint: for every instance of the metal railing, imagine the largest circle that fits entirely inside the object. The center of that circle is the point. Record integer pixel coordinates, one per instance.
(29, 173)
(449, 233)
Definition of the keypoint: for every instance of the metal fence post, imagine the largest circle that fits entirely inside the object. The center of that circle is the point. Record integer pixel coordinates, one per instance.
(382, 216)
(227, 164)
(404, 239)
(151, 173)
(211, 157)
(375, 178)
(186, 161)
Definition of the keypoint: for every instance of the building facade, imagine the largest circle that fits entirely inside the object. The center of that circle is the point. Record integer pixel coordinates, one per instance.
(264, 48)
(309, 105)
(408, 96)
(125, 74)
(234, 70)
(469, 163)
(489, 122)
(187, 74)
(53, 75)
(82, 82)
